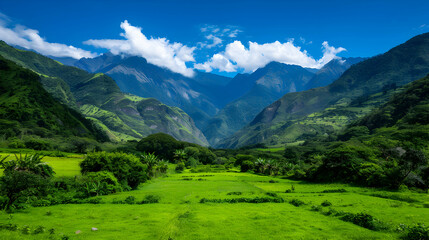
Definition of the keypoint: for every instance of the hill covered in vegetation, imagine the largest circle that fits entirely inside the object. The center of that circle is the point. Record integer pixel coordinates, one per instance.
(325, 110)
(27, 108)
(98, 97)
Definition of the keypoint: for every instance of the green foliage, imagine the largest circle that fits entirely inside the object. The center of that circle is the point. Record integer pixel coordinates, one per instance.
(125, 167)
(240, 158)
(417, 232)
(352, 132)
(247, 166)
(361, 219)
(326, 203)
(19, 185)
(101, 183)
(29, 163)
(150, 199)
(27, 107)
(180, 167)
(166, 147)
(160, 144)
(244, 200)
(296, 202)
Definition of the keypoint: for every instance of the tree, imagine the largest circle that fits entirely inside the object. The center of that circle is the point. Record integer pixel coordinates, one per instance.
(179, 155)
(20, 184)
(125, 167)
(246, 166)
(151, 160)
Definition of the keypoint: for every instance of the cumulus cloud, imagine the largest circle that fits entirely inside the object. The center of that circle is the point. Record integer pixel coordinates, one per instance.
(158, 51)
(236, 56)
(218, 61)
(30, 39)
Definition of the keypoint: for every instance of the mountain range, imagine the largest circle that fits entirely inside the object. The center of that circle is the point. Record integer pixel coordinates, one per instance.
(126, 98)
(220, 106)
(121, 116)
(320, 111)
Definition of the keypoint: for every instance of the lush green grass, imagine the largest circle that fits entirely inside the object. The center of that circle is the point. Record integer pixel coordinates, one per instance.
(179, 214)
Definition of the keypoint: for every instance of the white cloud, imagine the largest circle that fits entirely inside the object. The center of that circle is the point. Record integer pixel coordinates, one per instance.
(237, 56)
(158, 51)
(215, 35)
(218, 61)
(30, 39)
(216, 41)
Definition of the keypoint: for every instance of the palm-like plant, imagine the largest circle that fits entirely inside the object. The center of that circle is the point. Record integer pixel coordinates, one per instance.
(259, 165)
(179, 155)
(30, 163)
(151, 160)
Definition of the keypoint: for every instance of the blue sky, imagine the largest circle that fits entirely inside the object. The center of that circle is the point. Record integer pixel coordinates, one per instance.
(214, 35)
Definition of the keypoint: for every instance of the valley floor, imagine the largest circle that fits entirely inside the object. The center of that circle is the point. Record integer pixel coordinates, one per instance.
(180, 215)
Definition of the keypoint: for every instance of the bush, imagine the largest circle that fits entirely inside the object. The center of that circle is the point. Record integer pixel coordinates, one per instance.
(247, 166)
(240, 158)
(326, 203)
(340, 190)
(361, 219)
(150, 199)
(18, 186)
(37, 144)
(130, 200)
(180, 167)
(244, 200)
(417, 232)
(296, 202)
(105, 182)
(16, 143)
(191, 162)
(127, 168)
(234, 193)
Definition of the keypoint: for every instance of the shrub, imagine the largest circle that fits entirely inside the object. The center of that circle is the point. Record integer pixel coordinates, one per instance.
(316, 208)
(180, 167)
(240, 158)
(244, 200)
(105, 181)
(130, 200)
(16, 143)
(127, 168)
(16, 185)
(326, 203)
(234, 193)
(246, 166)
(150, 199)
(39, 229)
(37, 144)
(296, 202)
(191, 162)
(417, 232)
(341, 190)
(361, 219)
(271, 194)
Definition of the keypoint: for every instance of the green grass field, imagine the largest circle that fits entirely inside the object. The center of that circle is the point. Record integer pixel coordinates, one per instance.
(180, 215)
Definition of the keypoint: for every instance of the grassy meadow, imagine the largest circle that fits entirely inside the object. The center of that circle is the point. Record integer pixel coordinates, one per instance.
(180, 215)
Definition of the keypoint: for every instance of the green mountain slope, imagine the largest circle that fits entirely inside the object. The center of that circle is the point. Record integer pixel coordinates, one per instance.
(287, 119)
(268, 84)
(26, 107)
(118, 115)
